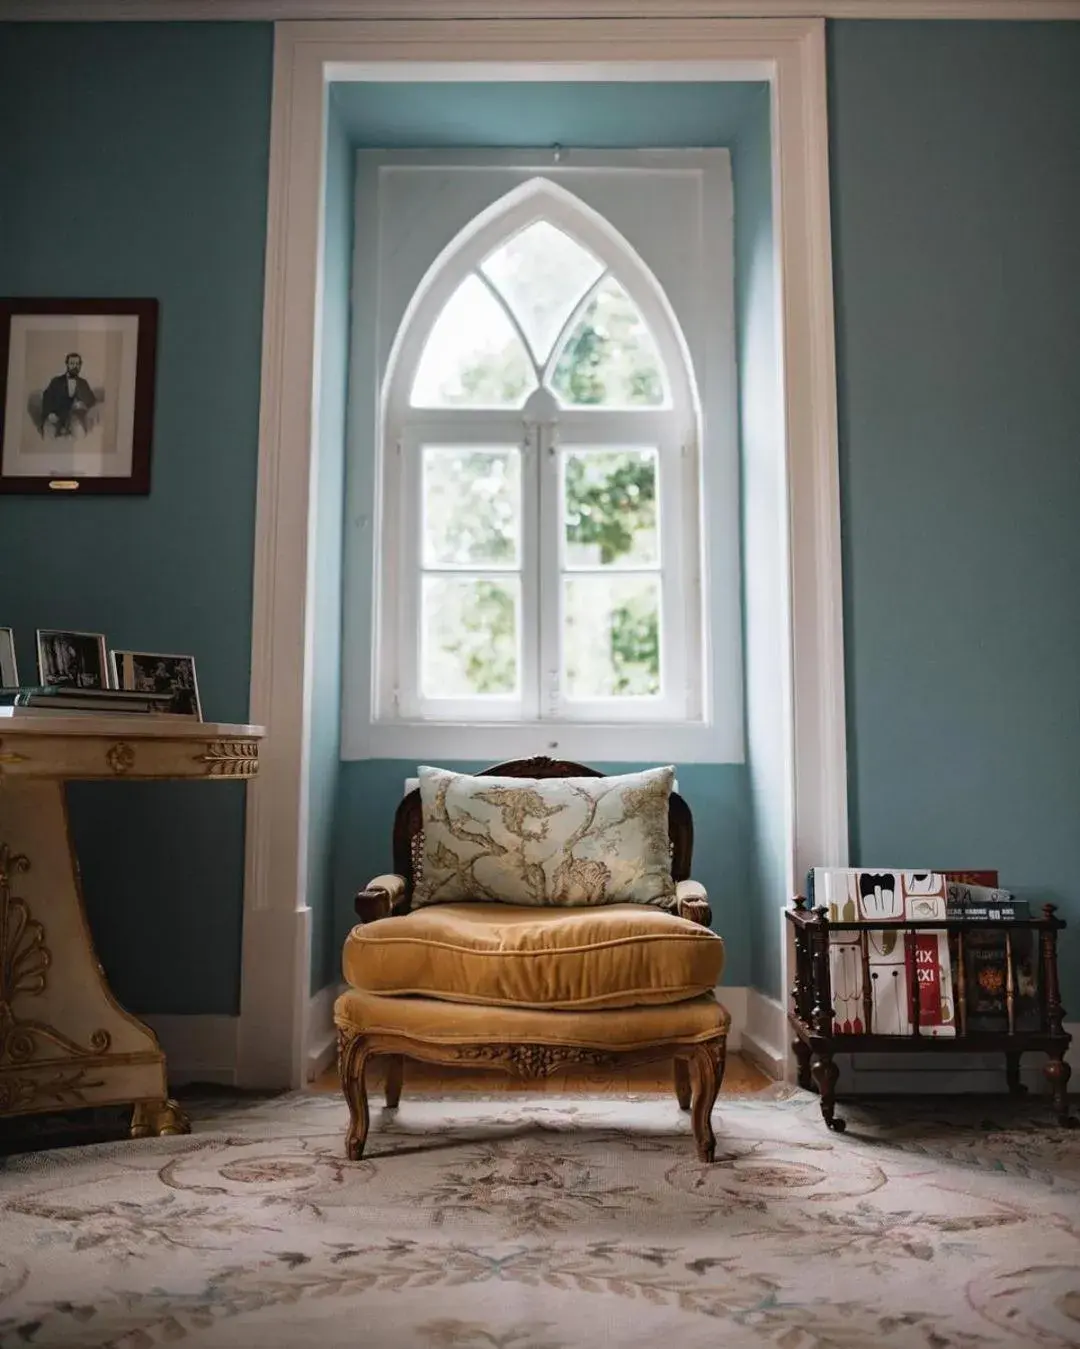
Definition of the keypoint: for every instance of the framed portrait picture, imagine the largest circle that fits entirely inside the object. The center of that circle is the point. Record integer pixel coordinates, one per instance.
(76, 395)
(72, 660)
(9, 671)
(154, 672)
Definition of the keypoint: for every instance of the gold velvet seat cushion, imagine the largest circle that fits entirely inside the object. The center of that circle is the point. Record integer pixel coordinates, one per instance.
(619, 955)
(449, 1023)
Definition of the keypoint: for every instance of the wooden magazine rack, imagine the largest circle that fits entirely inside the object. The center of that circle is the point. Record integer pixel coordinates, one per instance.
(818, 1040)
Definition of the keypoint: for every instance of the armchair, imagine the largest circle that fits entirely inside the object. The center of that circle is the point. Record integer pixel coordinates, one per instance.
(531, 990)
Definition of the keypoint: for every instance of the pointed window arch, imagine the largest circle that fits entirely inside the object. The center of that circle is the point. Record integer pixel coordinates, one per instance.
(539, 424)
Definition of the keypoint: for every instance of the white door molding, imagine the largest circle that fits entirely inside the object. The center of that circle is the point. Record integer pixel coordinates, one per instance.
(275, 959)
(790, 54)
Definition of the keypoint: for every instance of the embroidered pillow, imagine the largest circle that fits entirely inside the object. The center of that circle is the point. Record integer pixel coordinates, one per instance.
(563, 841)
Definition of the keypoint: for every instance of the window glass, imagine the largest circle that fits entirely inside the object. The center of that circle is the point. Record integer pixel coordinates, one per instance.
(542, 274)
(610, 358)
(611, 636)
(473, 357)
(471, 507)
(469, 635)
(610, 508)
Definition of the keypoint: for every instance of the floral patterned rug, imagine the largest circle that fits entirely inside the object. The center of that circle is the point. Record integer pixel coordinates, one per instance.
(545, 1222)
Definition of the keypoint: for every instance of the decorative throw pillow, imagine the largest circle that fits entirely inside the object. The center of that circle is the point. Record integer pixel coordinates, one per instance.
(563, 841)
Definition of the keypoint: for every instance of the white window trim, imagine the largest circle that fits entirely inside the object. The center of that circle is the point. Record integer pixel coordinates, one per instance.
(275, 1010)
(703, 719)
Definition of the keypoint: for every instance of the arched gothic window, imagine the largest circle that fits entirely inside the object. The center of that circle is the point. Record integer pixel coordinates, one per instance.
(541, 557)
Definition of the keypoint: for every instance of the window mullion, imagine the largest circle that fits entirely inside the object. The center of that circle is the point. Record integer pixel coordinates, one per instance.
(405, 694)
(530, 572)
(550, 516)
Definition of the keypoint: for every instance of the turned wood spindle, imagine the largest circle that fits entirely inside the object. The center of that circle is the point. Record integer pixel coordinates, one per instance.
(822, 1014)
(867, 989)
(1055, 1013)
(961, 983)
(911, 964)
(1010, 985)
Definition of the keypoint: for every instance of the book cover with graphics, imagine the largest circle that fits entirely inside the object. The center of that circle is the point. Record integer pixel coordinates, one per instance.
(899, 962)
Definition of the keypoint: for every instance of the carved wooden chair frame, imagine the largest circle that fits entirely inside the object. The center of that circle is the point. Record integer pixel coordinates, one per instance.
(698, 1066)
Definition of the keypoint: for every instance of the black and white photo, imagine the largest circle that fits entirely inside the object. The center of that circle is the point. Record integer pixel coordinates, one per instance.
(78, 381)
(9, 671)
(73, 660)
(153, 672)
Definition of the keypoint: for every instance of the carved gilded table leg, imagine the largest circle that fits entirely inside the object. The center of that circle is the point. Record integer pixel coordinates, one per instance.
(156, 1119)
(65, 1042)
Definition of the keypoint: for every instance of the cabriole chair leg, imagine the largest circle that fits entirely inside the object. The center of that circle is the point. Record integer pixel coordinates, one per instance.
(682, 1083)
(708, 1074)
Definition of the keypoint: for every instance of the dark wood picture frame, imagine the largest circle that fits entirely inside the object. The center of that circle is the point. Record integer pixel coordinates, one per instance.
(75, 483)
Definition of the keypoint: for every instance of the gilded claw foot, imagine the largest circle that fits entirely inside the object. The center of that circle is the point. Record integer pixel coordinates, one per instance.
(156, 1119)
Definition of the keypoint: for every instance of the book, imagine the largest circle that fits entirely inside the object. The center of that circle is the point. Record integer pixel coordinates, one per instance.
(929, 976)
(62, 699)
(987, 878)
(901, 965)
(989, 986)
(998, 913)
(44, 713)
(878, 894)
(977, 903)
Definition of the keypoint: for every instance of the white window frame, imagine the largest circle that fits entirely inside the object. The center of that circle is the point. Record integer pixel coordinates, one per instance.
(699, 714)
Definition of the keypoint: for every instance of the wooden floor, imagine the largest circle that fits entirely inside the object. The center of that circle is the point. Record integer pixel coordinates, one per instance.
(741, 1078)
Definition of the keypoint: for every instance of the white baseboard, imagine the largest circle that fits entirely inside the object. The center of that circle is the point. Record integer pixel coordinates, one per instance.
(764, 1039)
(734, 999)
(275, 974)
(197, 1048)
(321, 1040)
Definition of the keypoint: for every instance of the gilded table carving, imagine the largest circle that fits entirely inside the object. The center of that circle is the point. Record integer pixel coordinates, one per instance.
(65, 1041)
(120, 757)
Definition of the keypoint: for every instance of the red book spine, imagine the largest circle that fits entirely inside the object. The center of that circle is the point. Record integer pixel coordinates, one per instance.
(926, 976)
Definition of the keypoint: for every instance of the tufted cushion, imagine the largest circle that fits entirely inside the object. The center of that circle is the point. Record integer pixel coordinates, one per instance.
(448, 1023)
(618, 955)
(543, 841)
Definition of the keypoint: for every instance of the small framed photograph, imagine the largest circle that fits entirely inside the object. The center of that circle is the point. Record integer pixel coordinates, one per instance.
(76, 395)
(9, 671)
(153, 672)
(72, 660)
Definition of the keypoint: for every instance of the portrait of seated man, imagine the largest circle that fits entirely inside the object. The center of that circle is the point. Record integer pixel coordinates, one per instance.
(66, 402)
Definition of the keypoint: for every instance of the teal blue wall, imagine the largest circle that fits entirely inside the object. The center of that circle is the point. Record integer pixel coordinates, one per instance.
(328, 523)
(133, 162)
(955, 151)
(716, 793)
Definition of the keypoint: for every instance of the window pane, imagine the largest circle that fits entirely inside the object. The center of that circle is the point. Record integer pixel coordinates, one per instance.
(609, 505)
(469, 636)
(473, 357)
(610, 358)
(541, 273)
(471, 507)
(611, 636)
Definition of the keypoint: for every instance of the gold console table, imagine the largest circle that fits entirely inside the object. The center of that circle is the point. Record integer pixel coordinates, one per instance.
(65, 1042)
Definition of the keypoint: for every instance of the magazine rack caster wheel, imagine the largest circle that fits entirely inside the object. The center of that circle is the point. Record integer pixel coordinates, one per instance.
(825, 1072)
